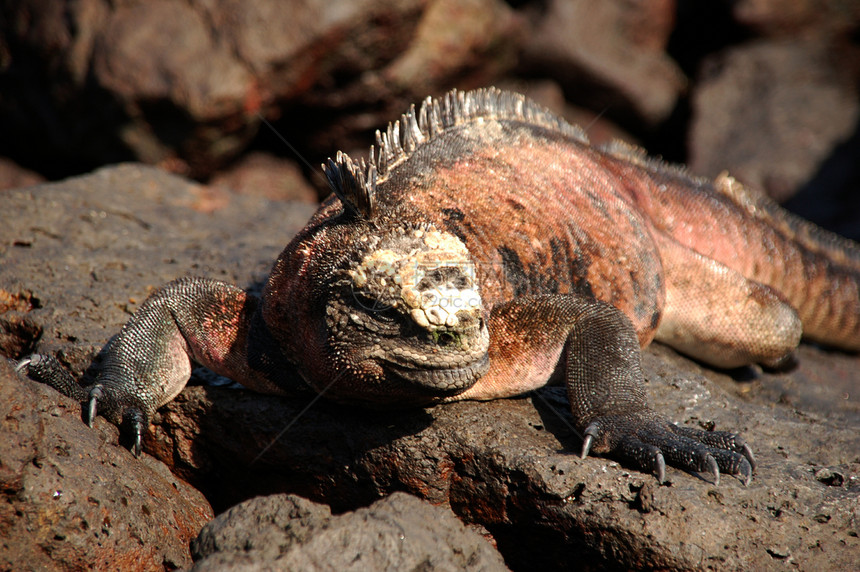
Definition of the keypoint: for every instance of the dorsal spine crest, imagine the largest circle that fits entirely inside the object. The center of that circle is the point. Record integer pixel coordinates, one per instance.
(355, 182)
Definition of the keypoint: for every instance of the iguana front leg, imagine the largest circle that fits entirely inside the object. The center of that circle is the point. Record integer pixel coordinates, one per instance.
(149, 362)
(595, 348)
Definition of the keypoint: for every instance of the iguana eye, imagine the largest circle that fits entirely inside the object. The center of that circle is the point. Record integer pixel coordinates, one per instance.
(369, 303)
(388, 314)
(375, 316)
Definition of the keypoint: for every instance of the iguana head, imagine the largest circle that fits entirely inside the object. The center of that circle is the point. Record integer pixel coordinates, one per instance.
(393, 315)
(410, 307)
(385, 310)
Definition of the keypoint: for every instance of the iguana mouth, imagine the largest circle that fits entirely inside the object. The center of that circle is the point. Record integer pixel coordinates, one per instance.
(444, 381)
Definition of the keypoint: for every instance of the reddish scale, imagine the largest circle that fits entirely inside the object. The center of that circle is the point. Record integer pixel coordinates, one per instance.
(223, 326)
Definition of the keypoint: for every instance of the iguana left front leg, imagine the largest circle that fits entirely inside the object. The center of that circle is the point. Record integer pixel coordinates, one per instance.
(149, 362)
(596, 349)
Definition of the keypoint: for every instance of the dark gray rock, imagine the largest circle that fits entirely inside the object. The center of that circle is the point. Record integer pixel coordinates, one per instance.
(79, 255)
(770, 112)
(268, 526)
(511, 466)
(286, 532)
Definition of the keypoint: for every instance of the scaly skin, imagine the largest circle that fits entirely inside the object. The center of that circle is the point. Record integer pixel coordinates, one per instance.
(487, 250)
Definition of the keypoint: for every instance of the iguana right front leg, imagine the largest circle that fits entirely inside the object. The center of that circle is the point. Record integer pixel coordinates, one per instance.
(149, 362)
(597, 350)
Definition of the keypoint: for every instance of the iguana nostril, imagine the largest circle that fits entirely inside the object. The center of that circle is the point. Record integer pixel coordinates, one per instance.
(446, 339)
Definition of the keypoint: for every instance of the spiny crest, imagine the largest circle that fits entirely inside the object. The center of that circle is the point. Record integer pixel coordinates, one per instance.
(355, 182)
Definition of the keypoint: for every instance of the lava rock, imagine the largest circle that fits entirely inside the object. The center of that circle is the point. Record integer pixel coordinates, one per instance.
(286, 532)
(610, 54)
(72, 499)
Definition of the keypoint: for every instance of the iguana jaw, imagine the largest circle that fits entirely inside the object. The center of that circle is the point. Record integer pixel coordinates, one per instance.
(444, 381)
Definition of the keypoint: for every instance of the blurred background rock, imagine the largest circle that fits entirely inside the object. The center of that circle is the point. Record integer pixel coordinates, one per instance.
(767, 89)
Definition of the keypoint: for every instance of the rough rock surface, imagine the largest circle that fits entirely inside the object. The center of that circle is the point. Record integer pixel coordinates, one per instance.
(509, 465)
(70, 496)
(286, 532)
(266, 176)
(126, 230)
(79, 255)
(13, 176)
(72, 499)
(793, 18)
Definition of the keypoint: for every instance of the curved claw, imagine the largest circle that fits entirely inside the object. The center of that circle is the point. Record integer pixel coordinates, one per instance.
(660, 468)
(135, 420)
(23, 363)
(586, 446)
(745, 471)
(747, 452)
(96, 393)
(713, 468)
(590, 433)
(137, 429)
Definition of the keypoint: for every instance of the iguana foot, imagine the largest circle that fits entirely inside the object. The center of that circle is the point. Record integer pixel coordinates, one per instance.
(650, 442)
(111, 403)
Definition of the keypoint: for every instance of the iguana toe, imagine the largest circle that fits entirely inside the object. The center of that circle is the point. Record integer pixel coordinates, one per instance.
(48, 370)
(118, 405)
(745, 471)
(731, 452)
(650, 442)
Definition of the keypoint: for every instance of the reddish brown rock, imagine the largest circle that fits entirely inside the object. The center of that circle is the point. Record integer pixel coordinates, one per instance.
(72, 499)
(453, 44)
(793, 18)
(609, 54)
(13, 176)
(165, 51)
(177, 83)
(464, 43)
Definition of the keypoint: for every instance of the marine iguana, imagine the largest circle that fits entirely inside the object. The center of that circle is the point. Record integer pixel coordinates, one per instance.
(485, 249)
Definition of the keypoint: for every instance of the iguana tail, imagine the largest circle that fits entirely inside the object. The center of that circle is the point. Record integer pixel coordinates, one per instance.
(817, 271)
